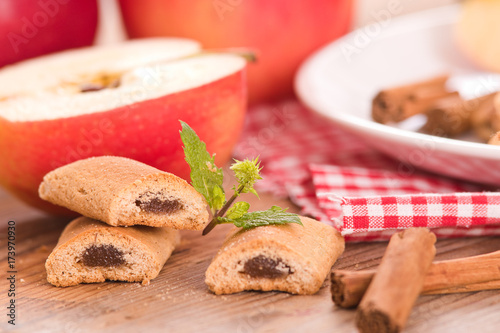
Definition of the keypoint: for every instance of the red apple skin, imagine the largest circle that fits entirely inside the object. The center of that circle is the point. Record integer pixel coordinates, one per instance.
(282, 32)
(30, 28)
(146, 131)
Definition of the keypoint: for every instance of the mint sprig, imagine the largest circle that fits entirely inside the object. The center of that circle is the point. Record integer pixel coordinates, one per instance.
(237, 210)
(273, 216)
(247, 172)
(207, 179)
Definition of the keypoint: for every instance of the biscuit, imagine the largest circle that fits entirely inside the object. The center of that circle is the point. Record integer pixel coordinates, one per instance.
(90, 251)
(123, 192)
(290, 258)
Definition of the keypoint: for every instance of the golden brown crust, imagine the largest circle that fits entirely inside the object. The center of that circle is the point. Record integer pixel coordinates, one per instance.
(143, 252)
(116, 190)
(302, 258)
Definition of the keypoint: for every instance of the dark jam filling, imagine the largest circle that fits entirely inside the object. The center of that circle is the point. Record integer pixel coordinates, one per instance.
(103, 256)
(264, 267)
(158, 206)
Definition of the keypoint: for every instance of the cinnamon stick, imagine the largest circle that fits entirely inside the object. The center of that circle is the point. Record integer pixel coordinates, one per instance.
(449, 117)
(397, 104)
(485, 120)
(443, 277)
(452, 116)
(388, 301)
(348, 287)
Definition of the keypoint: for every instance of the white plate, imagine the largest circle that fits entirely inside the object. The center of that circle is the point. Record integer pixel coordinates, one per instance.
(340, 81)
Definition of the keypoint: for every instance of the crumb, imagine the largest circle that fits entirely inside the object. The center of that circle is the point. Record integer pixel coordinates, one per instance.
(22, 280)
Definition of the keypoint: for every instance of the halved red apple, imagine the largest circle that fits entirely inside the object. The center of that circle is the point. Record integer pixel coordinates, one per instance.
(123, 100)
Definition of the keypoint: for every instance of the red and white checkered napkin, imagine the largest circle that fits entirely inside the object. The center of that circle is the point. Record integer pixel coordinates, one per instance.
(460, 214)
(328, 172)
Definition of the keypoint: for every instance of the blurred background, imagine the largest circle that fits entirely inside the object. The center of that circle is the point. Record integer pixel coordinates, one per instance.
(365, 12)
(282, 36)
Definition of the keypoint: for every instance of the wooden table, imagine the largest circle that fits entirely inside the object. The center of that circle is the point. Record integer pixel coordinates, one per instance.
(179, 301)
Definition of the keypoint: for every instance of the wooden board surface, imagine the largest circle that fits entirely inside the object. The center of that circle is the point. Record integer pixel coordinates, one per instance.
(179, 301)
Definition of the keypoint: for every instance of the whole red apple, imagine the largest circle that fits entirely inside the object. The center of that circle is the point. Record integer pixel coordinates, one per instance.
(282, 32)
(29, 28)
(124, 100)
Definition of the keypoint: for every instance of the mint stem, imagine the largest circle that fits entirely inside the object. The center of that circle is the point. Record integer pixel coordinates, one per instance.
(222, 211)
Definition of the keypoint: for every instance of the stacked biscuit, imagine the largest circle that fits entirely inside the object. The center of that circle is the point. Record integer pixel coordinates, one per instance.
(130, 215)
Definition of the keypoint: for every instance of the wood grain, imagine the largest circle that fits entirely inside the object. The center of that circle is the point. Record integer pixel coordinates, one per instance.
(179, 301)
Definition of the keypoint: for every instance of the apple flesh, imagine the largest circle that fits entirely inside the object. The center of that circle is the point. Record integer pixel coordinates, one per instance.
(282, 32)
(478, 33)
(138, 117)
(32, 28)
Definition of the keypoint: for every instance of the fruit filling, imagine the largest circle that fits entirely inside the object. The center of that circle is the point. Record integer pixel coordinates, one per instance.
(158, 206)
(103, 256)
(264, 267)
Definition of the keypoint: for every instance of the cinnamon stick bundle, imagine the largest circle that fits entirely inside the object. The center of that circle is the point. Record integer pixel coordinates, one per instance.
(400, 103)
(388, 301)
(448, 115)
(443, 277)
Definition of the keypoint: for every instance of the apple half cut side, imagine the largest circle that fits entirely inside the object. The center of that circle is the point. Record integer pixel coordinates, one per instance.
(132, 112)
(52, 72)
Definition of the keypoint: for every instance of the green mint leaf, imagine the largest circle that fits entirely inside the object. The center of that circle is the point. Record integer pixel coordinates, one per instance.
(254, 192)
(206, 178)
(238, 210)
(218, 197)
(273, 216)
(247, 172)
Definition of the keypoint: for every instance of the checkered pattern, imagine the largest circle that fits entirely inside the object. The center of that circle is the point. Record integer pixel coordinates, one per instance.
(357, 182)
(317, 164)
(423, 210)
(281, 136)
